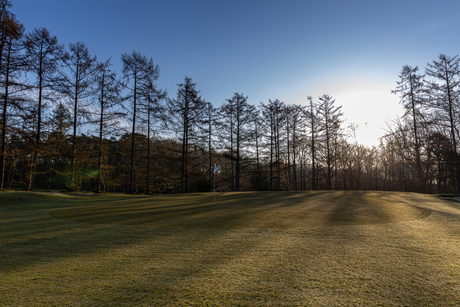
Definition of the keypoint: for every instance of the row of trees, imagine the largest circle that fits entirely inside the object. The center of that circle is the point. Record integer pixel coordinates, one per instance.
(424, 141)
(142, 140)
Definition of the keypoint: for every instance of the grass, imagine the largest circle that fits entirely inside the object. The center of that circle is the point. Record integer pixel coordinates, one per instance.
(246, 249)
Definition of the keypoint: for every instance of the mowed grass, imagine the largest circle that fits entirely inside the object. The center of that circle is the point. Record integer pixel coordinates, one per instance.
(321, 248)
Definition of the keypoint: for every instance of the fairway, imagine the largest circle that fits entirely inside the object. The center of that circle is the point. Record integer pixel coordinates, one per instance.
(251, 210)
(316, 248)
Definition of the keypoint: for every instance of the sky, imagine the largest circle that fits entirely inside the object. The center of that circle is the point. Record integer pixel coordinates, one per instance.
(352, 50)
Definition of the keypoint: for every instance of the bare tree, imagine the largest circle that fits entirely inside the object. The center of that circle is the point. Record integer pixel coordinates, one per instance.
(184, 115)
(297, 124)
(411, 89)
(74, 79)
(330, 116)
(445, 92)
(11, 64)
(236, 116)
(43, 54)
(209, 122)
(151, 106)
(138, 73)
(312, 115)
(273, 117)
(107, 99)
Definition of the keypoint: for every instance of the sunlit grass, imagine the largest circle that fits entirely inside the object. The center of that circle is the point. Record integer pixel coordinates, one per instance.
(247, 249)
(249, 210)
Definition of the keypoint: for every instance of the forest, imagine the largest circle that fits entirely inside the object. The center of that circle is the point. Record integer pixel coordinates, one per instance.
(142, 139)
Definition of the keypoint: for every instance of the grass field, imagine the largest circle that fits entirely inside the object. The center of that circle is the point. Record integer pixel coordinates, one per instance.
(317, 248)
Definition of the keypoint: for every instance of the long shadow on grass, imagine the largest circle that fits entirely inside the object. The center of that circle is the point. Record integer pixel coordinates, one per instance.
(27, 239)
(340, 265)
(227, 265)
(368, 207)
(231, 210)
(250, 210)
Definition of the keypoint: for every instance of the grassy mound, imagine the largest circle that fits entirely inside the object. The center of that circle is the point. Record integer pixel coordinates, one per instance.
(249, 209)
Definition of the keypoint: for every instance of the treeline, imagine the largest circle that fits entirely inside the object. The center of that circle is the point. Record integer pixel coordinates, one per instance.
(141, 140)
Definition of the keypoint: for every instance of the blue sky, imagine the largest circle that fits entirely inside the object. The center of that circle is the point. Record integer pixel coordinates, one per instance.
(352, 50)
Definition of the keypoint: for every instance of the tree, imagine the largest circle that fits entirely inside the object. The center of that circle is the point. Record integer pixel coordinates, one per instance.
(154, 112)
(209, 123)
(312, 114)
(184, 115)
(11, 64)
(236, 116)
(330, 117)
(74, 79)
(43, 53)
(444, 92)
(296, 124)
(273, 114)
(138, 72)
(411, 89)
(107, 99)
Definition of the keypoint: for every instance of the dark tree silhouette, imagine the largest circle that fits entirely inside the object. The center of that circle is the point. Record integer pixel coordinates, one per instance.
(184, 115)
(11, 64)
(75, 79)
(236, 116)
(107, 99)
(411, 89)
(312, 115)
(445, 92)
(330, 119)
(153, 110)
(138, 72)
(43, 54)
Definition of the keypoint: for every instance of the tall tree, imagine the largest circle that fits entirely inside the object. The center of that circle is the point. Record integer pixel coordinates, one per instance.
(296, 123)
(75, 79)
(236, 116)
(43, 53)
(445, 93)
(11, 64)
(312, 115)
(273, 114)
(107, 99)
(209, 123)
(138, 72)
(411, 89)
(330, 116)
(151, 106)
(184, 116)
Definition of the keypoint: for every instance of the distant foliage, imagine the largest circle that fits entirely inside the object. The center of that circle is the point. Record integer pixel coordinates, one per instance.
(68, 121)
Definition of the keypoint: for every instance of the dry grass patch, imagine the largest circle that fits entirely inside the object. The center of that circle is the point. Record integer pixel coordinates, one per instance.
(247, 249)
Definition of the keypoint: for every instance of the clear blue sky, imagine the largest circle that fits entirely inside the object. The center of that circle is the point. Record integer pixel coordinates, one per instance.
(352, 50)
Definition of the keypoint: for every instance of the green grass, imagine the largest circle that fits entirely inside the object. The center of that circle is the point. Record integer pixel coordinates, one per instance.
(245, 249)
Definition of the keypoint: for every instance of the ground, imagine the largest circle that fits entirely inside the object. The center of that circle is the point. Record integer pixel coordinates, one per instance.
(320, 248)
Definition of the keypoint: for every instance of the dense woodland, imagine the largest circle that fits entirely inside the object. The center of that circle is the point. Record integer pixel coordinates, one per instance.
(144, 140)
